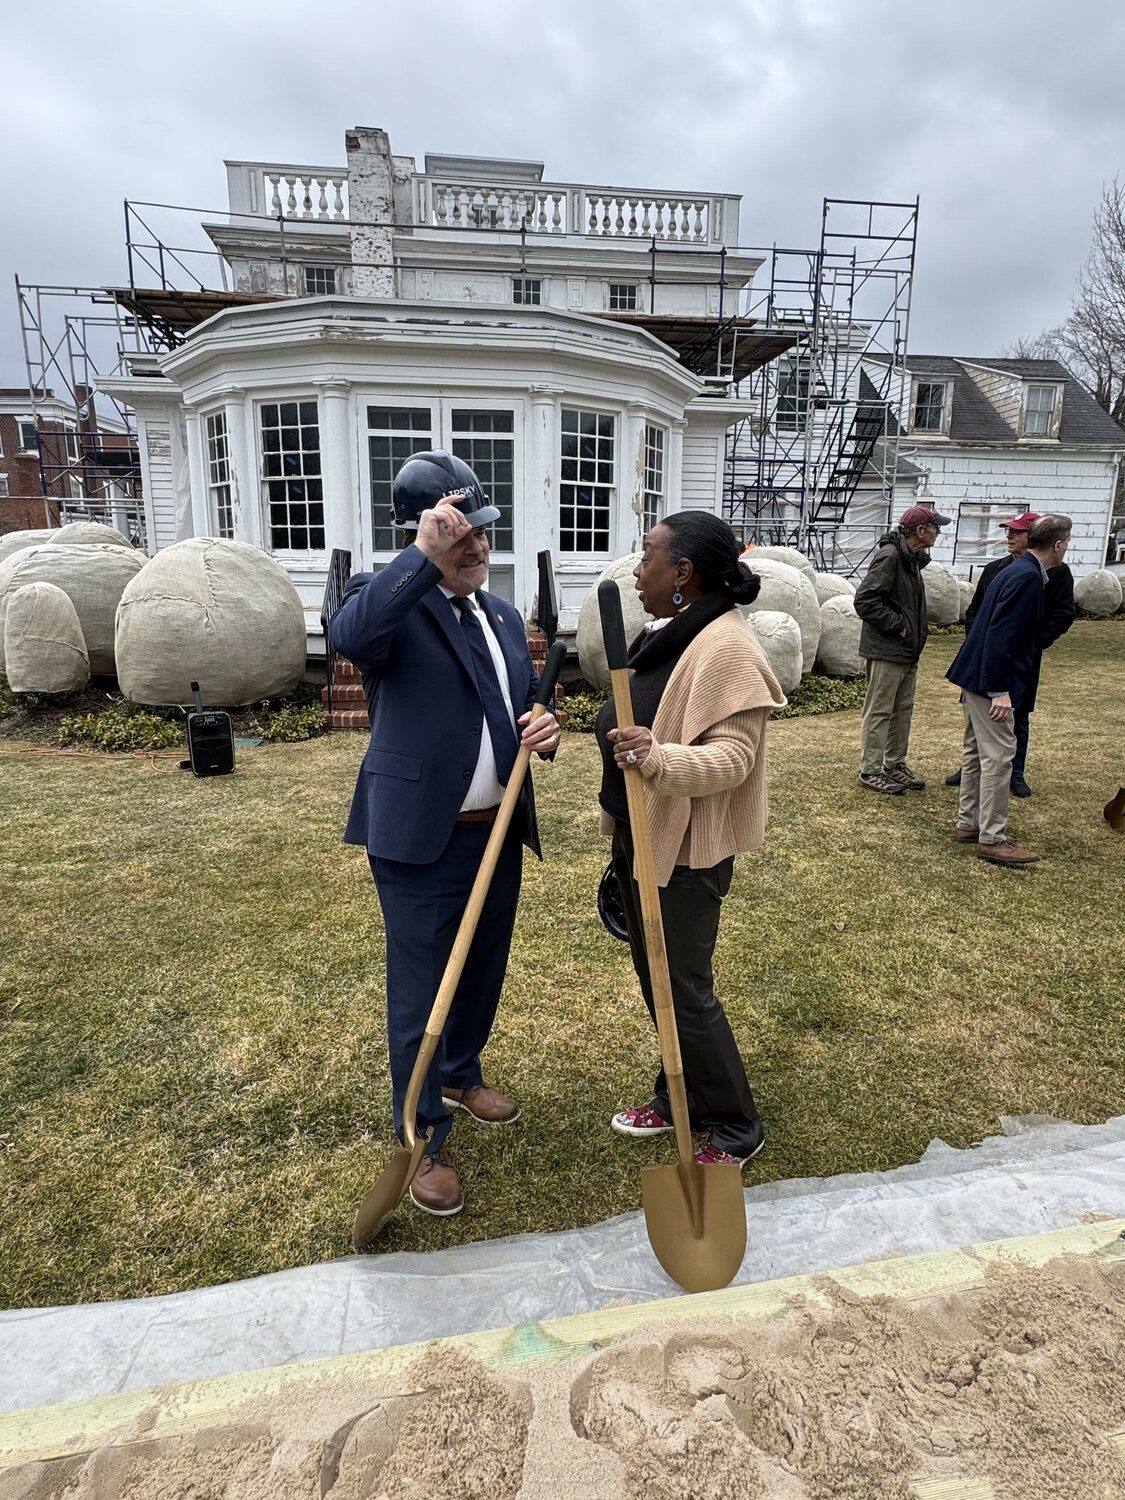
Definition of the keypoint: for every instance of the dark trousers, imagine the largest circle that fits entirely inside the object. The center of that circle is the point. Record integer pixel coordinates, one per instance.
(1021, 723)
(422, 909)
(719, 1097)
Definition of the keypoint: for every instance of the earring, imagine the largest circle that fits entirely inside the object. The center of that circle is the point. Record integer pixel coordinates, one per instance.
(677, 598)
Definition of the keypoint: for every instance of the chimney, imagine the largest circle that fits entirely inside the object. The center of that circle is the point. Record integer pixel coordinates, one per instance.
(371, 210)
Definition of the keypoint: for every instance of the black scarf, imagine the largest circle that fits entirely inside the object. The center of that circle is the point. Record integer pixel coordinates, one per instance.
(653, 648)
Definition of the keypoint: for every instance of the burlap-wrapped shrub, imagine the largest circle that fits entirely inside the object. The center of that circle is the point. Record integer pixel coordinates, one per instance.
(16, 541)
(832, 586)
(1099, 593)
(792, 593)
(94, 579)
(968, 589)
(219, 613)
(788, 555)
(44, 651)
(943, 595)
(591, 650)
(88, 534)
(838, 652)
(780, 638)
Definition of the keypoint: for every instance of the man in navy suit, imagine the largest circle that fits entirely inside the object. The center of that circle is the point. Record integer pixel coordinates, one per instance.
(448, 681)
(993, 669)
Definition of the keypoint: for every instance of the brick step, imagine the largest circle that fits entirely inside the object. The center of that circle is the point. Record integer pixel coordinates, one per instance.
(343, 692)
(345, 672)
(347, 718)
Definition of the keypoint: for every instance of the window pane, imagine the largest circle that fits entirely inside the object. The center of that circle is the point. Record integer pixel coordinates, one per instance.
(290, 477)
(394, 434)
(491, 457)
(586, 490)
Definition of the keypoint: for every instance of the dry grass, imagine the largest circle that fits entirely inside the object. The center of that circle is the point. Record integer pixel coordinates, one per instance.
(192, 1074)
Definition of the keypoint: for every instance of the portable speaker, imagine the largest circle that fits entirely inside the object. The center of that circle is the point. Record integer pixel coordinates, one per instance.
(210, 738)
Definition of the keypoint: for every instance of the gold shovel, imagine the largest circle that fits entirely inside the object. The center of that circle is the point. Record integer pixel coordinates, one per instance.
(695, 1215)
(380, 1202)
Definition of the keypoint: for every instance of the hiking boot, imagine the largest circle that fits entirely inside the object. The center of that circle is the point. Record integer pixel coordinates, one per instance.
(967, 835)
(1019, 787)
(489, 1106)
(1007, 852)
(642, 1121)
(436, 1188)
(879, 781)
(904, 777)
(955, 779)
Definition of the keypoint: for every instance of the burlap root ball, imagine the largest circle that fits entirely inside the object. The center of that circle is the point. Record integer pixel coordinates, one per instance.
(15, 541)
(1099, 593)
(943, 595)
(88, 534)
(838, 652)
(216, 612)
(968, 589)
(93, 577)
(832, 586)
(788, 555)
(44, 651)
(790, 592)
(591, 650)
(779, 636)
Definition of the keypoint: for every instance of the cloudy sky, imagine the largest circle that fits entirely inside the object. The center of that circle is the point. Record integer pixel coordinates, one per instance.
(1004, 116)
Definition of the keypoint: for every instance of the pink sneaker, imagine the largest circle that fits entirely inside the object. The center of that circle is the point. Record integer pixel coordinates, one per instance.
(642, 1121)
(712, 1156)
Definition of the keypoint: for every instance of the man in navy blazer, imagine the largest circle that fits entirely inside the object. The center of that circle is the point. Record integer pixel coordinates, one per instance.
(994, 669)
(448, 681)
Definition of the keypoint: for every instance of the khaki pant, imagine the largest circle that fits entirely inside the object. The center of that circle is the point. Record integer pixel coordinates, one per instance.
(884, 728)
(986, 769)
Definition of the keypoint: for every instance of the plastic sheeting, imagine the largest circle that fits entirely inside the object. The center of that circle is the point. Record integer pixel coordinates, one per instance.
(1040, 1175)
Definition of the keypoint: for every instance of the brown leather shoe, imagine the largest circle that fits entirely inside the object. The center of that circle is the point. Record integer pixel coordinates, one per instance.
(487, 1105)
(436, 1188)
(1007, 852)
(966, 835)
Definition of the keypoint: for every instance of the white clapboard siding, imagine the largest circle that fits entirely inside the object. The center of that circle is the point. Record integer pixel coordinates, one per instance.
(158, 477)
(701, 486)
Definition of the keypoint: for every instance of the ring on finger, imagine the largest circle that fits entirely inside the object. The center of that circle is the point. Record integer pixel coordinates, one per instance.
(631, 757)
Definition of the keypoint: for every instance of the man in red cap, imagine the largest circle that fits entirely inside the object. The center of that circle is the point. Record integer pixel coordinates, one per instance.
(891, 602)
(1058, 616)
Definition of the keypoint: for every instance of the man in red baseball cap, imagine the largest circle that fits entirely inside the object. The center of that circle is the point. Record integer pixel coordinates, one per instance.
(891, 602)
(1058, 617)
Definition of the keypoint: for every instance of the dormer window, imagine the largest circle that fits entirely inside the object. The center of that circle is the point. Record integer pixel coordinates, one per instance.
(1039, 415)
(929, 406)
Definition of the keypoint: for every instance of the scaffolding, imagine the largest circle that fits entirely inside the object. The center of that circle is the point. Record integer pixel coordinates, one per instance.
(89, 459)
(825, 416)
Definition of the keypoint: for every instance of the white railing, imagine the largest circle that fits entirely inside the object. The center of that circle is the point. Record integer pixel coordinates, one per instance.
(568, 209)
(315, 194)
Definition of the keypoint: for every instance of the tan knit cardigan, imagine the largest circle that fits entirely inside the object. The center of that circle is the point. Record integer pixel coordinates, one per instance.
(705, 777)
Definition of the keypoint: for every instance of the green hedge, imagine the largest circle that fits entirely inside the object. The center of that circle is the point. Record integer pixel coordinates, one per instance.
(121, 726)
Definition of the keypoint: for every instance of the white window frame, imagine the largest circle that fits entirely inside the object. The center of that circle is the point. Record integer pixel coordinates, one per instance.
(220, 486)
(392, 400)
(613, 289)
(612, 489)
(287, 398)
(520, 284)
(3, 486)
(794, 421)
(1053, 414)
(21, 423)
(319, 269)
(916, 385)
(654, 440)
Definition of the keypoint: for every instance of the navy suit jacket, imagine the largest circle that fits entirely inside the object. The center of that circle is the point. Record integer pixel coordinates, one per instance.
(426, 712)
(999, 653)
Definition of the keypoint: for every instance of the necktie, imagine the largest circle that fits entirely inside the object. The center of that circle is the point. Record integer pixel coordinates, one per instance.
(500, 727)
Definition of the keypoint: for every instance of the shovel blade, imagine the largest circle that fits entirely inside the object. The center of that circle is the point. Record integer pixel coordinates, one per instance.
(380, 1202)
(696, 1221)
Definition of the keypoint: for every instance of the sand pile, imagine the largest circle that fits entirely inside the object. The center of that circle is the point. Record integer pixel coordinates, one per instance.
(1020, 1383)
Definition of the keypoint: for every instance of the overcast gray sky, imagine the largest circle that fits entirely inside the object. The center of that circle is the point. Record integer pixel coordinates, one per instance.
(1005, 117)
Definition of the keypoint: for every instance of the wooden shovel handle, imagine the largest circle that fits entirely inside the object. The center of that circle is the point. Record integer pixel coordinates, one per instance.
(439, 1012)
(613, 637)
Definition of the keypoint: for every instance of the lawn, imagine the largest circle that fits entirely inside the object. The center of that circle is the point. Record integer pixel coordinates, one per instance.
(192, 1073)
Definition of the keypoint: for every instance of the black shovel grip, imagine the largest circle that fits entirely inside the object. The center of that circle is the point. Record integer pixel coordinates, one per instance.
(613, 625)
(551, 669)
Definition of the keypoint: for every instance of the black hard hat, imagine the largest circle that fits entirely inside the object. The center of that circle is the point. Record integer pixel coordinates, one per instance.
(427, 478)
(611, 908)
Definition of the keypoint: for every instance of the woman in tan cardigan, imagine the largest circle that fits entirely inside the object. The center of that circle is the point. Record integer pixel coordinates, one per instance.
(702, 692)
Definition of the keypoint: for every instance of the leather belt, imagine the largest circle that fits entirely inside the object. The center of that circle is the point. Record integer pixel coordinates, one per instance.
(484, 815)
